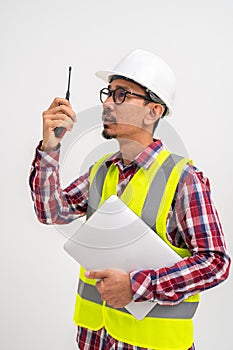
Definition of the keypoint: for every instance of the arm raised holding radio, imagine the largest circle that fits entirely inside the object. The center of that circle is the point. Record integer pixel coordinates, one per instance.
(54, 205)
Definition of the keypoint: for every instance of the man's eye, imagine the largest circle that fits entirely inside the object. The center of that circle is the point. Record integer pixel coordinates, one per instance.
(120, 93)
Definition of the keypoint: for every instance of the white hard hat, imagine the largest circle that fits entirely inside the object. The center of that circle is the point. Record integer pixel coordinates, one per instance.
(148, 70)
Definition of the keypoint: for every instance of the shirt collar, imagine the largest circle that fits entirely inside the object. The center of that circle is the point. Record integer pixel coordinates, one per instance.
(143, 159)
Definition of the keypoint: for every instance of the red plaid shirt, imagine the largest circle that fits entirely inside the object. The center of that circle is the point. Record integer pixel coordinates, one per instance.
(192, 222)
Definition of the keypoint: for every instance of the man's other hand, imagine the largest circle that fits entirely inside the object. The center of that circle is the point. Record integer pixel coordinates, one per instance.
(113, 285)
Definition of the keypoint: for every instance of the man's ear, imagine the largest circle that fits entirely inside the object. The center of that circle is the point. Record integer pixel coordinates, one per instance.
(156, 111)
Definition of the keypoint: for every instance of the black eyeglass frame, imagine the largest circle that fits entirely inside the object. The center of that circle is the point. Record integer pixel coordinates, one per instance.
(113, 94)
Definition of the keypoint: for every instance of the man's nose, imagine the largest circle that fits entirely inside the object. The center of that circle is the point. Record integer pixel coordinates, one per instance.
(109, 103)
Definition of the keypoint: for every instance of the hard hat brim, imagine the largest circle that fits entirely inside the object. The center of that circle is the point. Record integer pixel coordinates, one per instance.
(104, 75)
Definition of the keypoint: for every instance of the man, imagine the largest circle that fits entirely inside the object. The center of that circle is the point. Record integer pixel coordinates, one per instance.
(140, 92)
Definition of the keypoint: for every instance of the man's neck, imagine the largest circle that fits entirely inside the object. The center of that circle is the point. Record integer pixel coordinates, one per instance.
(131, 148)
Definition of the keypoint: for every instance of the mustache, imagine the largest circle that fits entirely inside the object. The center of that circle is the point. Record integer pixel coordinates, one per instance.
(107, 116)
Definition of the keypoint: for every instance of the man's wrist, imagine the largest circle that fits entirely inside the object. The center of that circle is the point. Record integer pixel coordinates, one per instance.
(48, 149)
(47, 159)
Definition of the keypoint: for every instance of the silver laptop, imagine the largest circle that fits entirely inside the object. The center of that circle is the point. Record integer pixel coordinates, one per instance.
(115, 237)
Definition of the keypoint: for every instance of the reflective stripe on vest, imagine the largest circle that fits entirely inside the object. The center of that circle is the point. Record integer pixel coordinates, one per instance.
(149, 194)
(185, 310)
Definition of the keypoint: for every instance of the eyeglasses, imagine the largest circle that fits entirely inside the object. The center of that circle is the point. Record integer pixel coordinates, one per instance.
(118, 95)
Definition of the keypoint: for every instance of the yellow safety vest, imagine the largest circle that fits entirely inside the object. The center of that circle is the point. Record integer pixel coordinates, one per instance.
(149, 194)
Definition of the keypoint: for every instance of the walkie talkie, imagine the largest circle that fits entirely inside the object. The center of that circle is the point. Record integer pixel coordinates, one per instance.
(60, 130)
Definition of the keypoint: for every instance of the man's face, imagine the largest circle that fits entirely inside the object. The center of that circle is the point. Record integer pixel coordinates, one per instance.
(127, 119)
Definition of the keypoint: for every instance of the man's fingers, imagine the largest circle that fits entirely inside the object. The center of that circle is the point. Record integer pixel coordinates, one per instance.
(59, 101)
(51, 124)
(61, 120)
(96, 274)
(61, 109)
(55, 112)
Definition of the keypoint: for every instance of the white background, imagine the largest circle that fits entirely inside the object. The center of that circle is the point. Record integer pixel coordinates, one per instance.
(39, 40)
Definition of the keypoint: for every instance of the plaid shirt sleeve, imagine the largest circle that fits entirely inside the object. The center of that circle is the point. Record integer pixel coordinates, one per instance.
(193, 222)
(52, 204)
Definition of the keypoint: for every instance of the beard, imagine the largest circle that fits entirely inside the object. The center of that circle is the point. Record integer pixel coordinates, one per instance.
(107, 135)
(107, 117)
